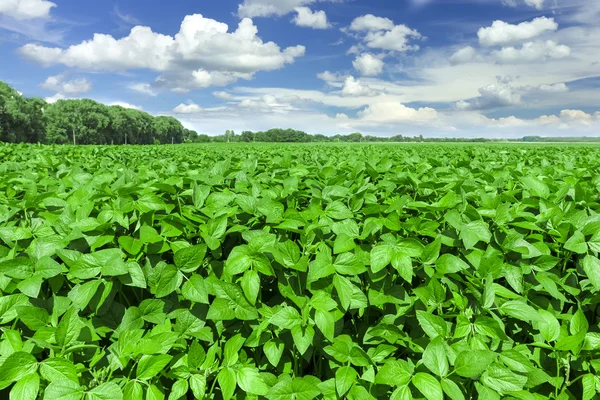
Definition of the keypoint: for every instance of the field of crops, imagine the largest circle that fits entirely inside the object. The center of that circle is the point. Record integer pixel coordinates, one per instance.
(300, 272)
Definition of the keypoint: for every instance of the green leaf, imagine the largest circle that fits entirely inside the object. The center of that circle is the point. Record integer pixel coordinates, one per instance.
(81, 295)
(326, 323)
(503, 380)
(26, 388)
(393, 373)
(273, 350)
(452, 390)
(179, 389)
(58, 369)
(250, 284)
(344, 379)
(589, 387)
(286, 318)
(548, 325)
(475, 232)
(105, 391)
(381, 257)
(69, 328)
(435, 358)
(16, 366)
(591, 267)
(577, 243)
(227, 382)
(296, 388)
(450, 264)
(63, 390)
(433, 325)
(150, 366)
(519, 310)
(194, 289)
(33, 317)
(472, 363)
(133, 391)
(198, 385)
(249, 380)
(428, 386)
(190, 258)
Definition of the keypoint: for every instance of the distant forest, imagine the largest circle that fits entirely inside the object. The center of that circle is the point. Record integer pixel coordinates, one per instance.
(84, 121)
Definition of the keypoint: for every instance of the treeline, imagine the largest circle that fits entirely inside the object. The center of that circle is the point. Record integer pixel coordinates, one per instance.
(85, 121)
(294, 136)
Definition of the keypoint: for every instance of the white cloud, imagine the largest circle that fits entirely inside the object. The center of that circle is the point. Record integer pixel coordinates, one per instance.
(538, 4)
(223, 95)
(396, 39)
(500, 94)
(143, 88)
(125, 105)
(371, 23)
(55, 98)
(504, 33)
(307, 18)
(354, 87)
(532, 51)
(391, 111)
(190, 108)
(464, 55)
(504, 94)
(368, 64)
(70, 88)
(268, 8)
(202, 54)
(26, 9)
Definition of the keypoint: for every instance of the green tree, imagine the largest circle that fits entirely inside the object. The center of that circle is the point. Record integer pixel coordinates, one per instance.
(78, 122)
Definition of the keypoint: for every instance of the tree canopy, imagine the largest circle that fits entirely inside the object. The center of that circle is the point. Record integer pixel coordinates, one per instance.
(82, 121)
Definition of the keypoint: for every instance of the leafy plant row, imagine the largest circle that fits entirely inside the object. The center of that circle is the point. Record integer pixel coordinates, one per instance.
(299, 272)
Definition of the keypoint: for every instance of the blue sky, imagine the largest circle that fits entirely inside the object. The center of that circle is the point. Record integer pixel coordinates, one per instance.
(496, 68)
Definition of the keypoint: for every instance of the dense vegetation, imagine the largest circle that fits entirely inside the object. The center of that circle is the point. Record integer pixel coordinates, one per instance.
(82, 122)
(299, 272)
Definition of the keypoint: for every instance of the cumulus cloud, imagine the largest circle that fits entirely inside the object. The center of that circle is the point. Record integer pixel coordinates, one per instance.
(382, 33)
(501, 32)
(143, 88)
(392, 111)
(532, 51)
(307, 18)
(538, 4)
(463, 56)
(368, 64)
(190, 108)
(203, 53)
(504, 94)
(223, 95)
(22, 10)
(354, 87)
(371, 23)
(125, 105)
(69, 88)
(396, 39)
(268, 8)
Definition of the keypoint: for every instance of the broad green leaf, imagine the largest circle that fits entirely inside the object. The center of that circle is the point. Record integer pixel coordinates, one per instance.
(105, 391)
(227, 382)
(150, 366)
(344, 379)
(433, 325)
(435, 358)
(64, 390)
(194, 289)
(16, 366)
(26, 388)
(472, 363)
(428, 386)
